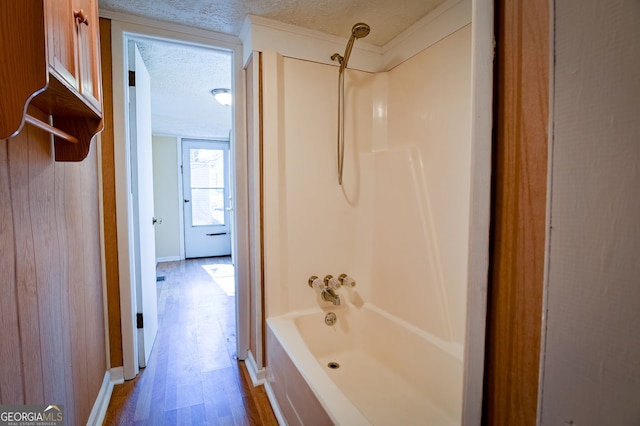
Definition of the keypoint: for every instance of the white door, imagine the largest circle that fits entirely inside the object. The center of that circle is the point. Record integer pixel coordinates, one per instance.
(205, 180)
(142, 200)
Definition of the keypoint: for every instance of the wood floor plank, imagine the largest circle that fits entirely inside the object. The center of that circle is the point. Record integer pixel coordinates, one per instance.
(193, 377)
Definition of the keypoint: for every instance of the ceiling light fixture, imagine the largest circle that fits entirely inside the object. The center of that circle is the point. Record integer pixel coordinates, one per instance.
(223, 96)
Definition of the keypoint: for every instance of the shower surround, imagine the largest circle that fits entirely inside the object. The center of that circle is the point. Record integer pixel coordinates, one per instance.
(399, 224)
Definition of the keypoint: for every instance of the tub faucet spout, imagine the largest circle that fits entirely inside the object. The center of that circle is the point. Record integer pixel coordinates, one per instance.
(330, 296)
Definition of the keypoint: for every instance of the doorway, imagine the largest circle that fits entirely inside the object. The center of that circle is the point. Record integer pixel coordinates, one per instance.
(206, 198)
(123, 33)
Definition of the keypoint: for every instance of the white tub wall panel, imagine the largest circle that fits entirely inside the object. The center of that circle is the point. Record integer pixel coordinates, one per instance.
(362, 271)
(274, 169)
(365, 126)
(405, 276)
(436, 373)
(430, 107)
(321, 221)
(297, 402)
(365, 225)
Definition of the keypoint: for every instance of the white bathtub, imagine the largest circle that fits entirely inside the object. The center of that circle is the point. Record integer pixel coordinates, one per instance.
(390, 372)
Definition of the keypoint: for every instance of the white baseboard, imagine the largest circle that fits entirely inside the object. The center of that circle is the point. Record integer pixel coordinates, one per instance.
(99, 410)
(117, 375)
(258, 376)
(274, 404)
(168, 259)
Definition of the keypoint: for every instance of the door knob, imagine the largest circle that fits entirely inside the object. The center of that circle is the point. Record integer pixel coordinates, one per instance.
(186, 201)
(157, 220)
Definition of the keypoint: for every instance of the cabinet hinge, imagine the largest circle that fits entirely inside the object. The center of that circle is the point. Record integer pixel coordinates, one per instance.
(132, 78)
(139, 321)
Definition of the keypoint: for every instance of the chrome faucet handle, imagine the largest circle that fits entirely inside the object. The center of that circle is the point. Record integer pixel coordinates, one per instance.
(347, 280)
(315, 282)
(332, 283)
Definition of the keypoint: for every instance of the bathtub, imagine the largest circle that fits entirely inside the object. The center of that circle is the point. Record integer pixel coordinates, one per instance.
(389, 372)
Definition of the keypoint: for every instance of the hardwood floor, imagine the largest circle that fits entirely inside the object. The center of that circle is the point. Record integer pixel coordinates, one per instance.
(193, 377)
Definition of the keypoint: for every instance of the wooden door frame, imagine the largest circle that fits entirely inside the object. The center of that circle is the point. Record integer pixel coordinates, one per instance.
(519, 212)
(123, 27)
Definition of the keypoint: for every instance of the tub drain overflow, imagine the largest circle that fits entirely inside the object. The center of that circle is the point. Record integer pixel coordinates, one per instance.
(330, 318)
(333, 365)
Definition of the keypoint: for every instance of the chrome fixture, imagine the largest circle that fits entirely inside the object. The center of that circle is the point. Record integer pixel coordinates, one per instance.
(359, 30)
(328, 295)
(330, 318)
(328, 286)
(331, 282)
(347, 280)
(315, 282)
(223, 96)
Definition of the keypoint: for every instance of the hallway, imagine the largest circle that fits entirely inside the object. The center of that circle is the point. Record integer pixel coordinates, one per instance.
(192, 377)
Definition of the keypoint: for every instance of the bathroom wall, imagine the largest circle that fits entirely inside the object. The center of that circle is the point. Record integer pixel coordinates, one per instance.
(399, 223)
(51, 309)
(166, 201)
(590, 365)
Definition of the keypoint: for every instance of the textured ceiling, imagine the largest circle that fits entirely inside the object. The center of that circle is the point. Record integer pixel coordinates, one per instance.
(387, 18)
(182, 76)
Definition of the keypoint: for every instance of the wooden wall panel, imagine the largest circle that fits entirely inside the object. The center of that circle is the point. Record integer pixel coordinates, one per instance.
(73, 215)
(11, 379)
(52, 327)
(25, 274)
(109, 200)
(47, 254)
(519, 212)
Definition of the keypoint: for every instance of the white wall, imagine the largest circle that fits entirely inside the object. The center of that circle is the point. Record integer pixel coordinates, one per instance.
(591, 361)
(166, 197)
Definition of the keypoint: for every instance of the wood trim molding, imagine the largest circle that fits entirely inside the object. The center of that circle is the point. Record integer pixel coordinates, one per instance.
(518, 212)
(109, 202)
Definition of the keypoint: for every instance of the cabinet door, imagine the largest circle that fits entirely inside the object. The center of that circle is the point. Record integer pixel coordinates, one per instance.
(88, 28)
(62, 40)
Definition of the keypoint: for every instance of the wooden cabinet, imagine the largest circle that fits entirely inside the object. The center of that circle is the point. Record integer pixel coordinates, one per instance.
(53, 64)
(89, 52)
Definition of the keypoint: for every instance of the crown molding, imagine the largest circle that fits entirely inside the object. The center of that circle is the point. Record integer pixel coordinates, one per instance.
(443, 21)
(262, 34)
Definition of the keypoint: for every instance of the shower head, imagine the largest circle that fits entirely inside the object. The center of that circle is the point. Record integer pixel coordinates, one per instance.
(360, 30)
